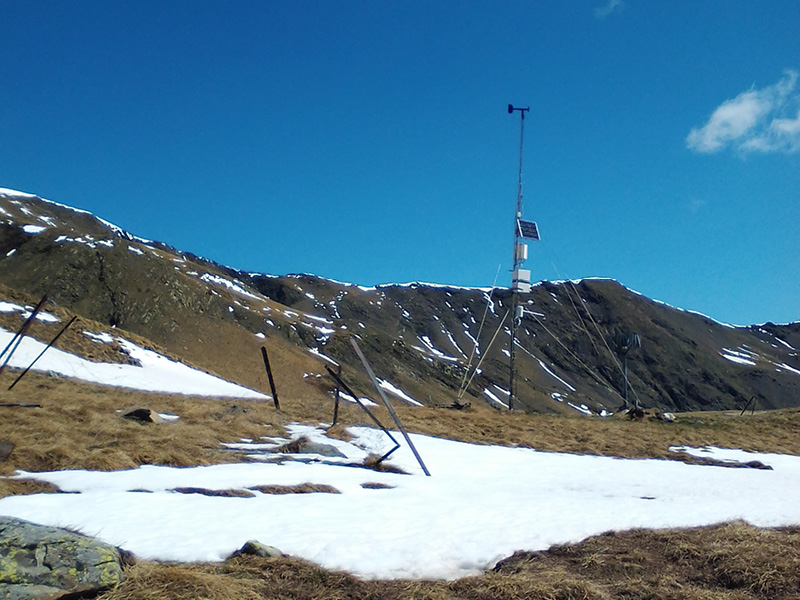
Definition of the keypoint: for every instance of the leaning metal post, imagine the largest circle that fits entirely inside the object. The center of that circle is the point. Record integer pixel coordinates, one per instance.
(388, 405)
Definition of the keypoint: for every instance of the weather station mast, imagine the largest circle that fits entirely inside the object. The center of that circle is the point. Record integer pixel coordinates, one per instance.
(520, 278)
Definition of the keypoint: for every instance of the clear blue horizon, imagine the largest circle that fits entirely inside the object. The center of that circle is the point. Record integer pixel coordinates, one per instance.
(369, 142)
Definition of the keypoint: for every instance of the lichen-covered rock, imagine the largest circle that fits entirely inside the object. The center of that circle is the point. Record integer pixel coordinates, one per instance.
(38, 561)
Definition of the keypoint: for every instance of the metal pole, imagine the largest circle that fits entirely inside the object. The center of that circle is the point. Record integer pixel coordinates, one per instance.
(388, 405)
(625, 376)
(347, 390)
(17, 339)
(46, 348)
(516, 262)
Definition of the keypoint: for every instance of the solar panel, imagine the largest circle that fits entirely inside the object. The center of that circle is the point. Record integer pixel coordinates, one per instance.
(527, 230)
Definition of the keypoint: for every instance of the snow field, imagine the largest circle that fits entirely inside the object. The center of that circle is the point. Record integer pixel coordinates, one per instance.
(481, 504)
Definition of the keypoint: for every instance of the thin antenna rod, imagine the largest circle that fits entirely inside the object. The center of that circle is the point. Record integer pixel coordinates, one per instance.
(517, 263)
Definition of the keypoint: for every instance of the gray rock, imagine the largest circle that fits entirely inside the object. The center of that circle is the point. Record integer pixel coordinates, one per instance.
(29, 592)
(38, 561)
(6, 448)
(256, 548)
(303, 445)
(321, 449)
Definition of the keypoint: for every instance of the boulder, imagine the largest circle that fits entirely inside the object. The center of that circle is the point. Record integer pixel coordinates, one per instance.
(303, 445)
(38, 561)
(6, 448)
(143, 415)
(256, 548)
(29, 592)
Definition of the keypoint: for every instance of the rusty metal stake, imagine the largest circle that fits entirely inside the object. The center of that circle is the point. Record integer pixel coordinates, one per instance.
(336, 395)
(269, 376)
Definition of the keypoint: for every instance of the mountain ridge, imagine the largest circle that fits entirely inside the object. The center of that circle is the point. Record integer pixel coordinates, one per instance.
(419, 336)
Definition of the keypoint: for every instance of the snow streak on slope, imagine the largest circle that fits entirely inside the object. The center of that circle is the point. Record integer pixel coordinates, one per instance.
(738, 356)
(234, 286)
(431, 349)
(26, 312)
(481, 504)
(155, 373)
(389, 387)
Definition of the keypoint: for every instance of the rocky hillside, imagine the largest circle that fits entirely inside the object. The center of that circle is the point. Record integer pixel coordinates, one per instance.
(419, 337)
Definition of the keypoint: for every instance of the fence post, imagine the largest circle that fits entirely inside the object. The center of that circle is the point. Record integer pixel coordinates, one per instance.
(269, 376)
(336, 395)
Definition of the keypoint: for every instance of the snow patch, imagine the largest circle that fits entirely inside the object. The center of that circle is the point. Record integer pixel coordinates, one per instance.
(44, 317)
(154, 373)
(739, 357)
(422, 532)
(234, 286)
(494, 399)
(387, 386)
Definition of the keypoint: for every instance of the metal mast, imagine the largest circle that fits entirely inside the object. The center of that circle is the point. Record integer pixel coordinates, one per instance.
(518, 278)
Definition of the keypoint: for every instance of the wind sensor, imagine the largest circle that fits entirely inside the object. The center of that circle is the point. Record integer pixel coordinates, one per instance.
(520, 278)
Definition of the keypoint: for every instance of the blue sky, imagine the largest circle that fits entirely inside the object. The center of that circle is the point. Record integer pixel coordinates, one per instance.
(369, 141)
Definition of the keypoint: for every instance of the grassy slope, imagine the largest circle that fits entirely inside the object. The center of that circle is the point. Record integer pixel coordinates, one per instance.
(79, 426)
(728, 562)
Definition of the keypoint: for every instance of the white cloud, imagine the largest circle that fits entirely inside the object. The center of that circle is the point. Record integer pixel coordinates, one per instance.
(765, 120)
(601, 12)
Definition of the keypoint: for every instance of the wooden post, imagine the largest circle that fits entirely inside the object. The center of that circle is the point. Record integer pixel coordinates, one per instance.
(269, 375)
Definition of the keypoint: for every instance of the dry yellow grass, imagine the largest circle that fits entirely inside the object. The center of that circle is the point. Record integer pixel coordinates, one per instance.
(159, 581)
(302, 488)
(79, 426)
(727, 562)
(769, 431)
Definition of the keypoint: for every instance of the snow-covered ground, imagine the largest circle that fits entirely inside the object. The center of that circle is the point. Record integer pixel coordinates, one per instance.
(155, 373)
(480, 504)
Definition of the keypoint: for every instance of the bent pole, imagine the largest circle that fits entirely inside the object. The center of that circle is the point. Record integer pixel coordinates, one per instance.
(388, 405)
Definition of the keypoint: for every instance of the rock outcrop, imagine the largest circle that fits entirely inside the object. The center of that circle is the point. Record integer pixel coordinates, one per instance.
(37, 561)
